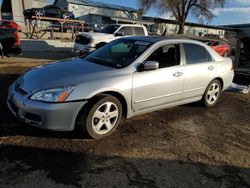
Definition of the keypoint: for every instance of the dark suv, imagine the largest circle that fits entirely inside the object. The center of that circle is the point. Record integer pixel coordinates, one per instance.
(48, 11)
(9, 38)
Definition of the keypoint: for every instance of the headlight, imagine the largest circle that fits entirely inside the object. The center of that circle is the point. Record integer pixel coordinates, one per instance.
(53, 95)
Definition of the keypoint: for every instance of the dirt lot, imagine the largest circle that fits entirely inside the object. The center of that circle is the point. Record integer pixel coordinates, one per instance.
(185, 146)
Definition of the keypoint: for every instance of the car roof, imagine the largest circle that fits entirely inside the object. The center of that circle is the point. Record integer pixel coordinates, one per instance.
(151, 39)
(154, 39)
(159, 39)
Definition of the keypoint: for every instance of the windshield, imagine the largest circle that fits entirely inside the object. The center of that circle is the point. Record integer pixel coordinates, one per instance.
(109, 29)
(119, 53)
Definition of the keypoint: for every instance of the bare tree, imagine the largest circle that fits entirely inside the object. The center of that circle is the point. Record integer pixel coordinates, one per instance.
(181, 9)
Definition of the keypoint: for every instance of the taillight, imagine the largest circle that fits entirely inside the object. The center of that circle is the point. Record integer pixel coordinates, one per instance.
(232, 68)
(17, 43)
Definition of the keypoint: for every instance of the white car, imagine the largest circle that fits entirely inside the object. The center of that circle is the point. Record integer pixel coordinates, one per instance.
(87, 41)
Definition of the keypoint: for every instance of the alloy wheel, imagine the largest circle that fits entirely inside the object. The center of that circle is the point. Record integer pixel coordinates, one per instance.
(105, 118)
(213, 93)
(39, 13)
(65, 16)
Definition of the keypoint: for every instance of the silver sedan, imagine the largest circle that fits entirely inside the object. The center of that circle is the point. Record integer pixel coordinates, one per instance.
(127, 77)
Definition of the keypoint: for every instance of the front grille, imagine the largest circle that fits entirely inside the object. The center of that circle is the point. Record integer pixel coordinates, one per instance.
(33, 117)
(13, 106)
(82, 40)
(20, 90)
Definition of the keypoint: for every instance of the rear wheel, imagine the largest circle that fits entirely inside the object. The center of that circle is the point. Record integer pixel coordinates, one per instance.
(101, 44)
(39, 13)
(212, 94)
(101, 117)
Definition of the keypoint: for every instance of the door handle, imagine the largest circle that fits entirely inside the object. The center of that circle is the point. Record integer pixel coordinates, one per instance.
(178, 74)
(211, 67)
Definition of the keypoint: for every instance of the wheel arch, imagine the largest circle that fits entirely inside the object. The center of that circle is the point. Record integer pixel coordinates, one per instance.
(120, 97)
(221, 82)
(94, 98)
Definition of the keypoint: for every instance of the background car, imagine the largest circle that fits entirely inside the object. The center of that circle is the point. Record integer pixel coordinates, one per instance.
(48, 11)
(220, 47)
(10, 24)
(9, 38)
(88, 41)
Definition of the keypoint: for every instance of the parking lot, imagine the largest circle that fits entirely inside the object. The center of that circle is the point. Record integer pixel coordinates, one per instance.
(185, 146)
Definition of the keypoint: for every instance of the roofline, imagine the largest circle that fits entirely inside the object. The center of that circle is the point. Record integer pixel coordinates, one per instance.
(131, 20)
(129, 9)
(190, 24)
(234, 26)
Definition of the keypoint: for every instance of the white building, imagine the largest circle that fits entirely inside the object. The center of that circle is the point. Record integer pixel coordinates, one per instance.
(98, 13)
(170, 27)
(13, 9)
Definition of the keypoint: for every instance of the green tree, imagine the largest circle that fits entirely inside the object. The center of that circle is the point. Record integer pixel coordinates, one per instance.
(181, 9)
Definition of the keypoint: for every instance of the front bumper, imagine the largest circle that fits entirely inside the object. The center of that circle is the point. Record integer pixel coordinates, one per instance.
(51, 116)
(82, 48)
(14, 50)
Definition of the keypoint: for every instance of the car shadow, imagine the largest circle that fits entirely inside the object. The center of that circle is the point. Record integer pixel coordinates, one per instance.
(86, 169)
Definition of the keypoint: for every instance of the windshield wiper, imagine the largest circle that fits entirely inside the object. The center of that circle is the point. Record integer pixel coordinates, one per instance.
(103, 63)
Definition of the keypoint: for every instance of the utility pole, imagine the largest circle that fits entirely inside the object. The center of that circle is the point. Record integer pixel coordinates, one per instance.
(1, 2)
(23, 6)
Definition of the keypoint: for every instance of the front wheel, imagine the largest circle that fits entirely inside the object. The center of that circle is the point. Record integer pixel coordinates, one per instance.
(66, 16)
(101, 117)
(212, 94)
(101, 44)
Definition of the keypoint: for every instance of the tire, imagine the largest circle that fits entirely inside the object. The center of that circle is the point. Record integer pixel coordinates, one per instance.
(100, 45)
(66, 16)
(101, 117)
(39, 13)
(212, 94)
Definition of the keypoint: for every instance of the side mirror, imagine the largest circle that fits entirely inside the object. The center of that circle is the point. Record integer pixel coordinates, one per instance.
(149, 65)
(119, 34)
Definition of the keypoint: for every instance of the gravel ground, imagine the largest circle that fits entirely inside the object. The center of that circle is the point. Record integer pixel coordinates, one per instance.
(185, 146)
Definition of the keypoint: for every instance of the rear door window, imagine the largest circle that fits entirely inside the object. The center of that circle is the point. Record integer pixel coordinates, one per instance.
(195, 53)
(126, 30)
(139, 31)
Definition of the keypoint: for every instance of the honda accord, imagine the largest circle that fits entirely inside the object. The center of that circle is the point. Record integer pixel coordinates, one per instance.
(126, 77)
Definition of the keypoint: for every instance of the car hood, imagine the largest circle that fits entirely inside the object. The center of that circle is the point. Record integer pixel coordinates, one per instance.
(64, 73)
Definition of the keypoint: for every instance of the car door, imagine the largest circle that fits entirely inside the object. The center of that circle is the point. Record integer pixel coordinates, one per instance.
(139, 31)
(200, 70)
(52, 11)
(161, 87)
